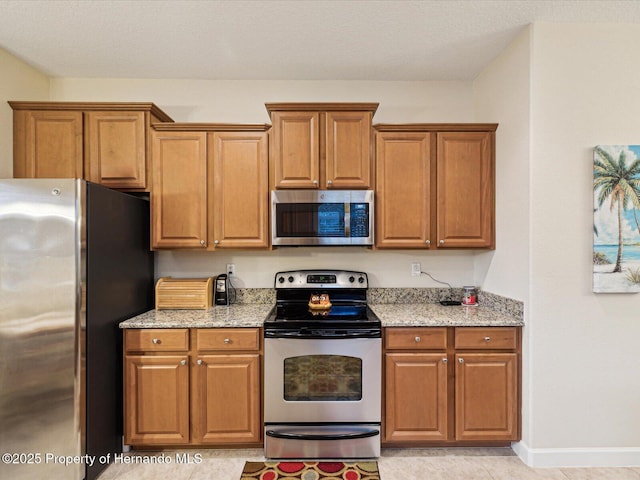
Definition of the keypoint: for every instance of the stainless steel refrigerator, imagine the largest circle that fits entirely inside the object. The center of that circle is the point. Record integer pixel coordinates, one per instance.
(74, 262)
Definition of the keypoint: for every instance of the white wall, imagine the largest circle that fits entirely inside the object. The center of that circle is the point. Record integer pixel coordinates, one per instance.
(243, 102)
(584, 362)
(502, 95)
(18, 81)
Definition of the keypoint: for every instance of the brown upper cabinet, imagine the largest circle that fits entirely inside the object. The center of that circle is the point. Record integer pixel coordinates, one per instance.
(435, 186)
(106, 143)
(321, 145)
(210, 186)
(179, 196)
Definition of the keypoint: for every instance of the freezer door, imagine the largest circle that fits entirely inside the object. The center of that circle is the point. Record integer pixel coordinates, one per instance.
(39, 368)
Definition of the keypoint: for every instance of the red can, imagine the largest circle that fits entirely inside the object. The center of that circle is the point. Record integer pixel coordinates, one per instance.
(469, 296)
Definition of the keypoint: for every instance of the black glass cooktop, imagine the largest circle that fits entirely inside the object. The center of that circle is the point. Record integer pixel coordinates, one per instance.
(297, 316)
(299, 312)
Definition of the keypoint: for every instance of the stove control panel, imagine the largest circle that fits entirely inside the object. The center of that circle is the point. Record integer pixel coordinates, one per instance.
(321, 278)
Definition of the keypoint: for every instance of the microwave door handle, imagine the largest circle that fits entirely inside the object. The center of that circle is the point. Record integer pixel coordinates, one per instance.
(347, 219)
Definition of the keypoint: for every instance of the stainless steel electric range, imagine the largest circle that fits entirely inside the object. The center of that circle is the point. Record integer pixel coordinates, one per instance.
(323, 362)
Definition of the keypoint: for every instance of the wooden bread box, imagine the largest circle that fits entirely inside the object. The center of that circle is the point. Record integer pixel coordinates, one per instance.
(184, 293)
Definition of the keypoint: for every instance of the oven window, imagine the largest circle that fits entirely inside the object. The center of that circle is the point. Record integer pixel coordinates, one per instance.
(334, 378)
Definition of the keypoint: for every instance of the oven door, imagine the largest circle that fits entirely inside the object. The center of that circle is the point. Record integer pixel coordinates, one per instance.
(322, 380)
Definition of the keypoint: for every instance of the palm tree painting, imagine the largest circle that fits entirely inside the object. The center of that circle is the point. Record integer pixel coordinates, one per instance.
(616, 218)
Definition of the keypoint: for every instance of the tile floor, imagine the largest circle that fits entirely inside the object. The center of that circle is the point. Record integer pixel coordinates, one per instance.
(394, 464)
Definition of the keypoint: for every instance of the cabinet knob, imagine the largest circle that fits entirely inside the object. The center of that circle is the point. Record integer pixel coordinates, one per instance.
(216, 242)
(156, 341)
(445, 360)
(418, 339)
(199, 362)
(315, 182)
(428, 242)
(441, 242)
(487, 339)
(461, 360)
(183, 362)
(329, 182)
(227, 341)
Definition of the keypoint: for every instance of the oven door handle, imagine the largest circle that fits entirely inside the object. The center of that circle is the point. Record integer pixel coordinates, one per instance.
(313, 436)
(373, 333)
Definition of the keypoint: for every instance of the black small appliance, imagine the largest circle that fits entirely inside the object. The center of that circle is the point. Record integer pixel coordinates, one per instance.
(224, 293)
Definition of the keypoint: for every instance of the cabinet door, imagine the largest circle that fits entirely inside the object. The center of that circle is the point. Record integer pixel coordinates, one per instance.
(403, 194)
(465, 206)
(116, 149)
(226, 405)
(179, 197)
(296, 149)
(486, 396)
(239, 206)
(416, 397)
(156, 399)
(348, 150)
(47, 144)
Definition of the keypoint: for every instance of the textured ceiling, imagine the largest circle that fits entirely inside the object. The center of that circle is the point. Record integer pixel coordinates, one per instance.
(280, 39)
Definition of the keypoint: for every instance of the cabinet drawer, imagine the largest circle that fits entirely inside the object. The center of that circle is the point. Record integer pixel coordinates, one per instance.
(415, 338)
(487, 338)
(157, 339)
(228, 339)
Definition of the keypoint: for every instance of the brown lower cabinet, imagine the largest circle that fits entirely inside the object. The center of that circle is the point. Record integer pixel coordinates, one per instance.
(193, 387)
(452, 385)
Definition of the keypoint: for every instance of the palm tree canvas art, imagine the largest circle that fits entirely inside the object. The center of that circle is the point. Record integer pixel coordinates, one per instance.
(616, 218)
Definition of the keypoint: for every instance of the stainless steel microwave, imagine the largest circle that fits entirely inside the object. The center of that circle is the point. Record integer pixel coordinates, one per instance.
(322, 217)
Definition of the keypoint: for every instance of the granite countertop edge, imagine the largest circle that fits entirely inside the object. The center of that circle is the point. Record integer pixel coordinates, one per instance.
(233, 316)
(390, 314)
(436, 315)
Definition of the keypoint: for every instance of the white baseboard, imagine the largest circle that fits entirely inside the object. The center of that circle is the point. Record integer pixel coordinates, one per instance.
(577, 457)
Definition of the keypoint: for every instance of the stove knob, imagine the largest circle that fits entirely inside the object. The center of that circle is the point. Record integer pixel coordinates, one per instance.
(351, 279)
(361, 280)
(281, 279)
(290, 279)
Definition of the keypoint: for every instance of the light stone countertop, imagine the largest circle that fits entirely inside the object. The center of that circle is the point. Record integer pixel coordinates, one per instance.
(391, 315)
(436, 315)
(234, 316)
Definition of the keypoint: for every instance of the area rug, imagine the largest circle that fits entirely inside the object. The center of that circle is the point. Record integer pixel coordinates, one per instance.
(310, 471)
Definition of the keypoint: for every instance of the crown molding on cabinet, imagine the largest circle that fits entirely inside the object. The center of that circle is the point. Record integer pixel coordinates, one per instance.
(321, 107)
(436, 127)
(93, 106)
(211, 127)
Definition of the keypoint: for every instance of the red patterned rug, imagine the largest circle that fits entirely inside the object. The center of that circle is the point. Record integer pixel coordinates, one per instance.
(310, 471)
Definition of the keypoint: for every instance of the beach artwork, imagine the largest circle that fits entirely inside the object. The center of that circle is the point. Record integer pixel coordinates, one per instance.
(616, 219)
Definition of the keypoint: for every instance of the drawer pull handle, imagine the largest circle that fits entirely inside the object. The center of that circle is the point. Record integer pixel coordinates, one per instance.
(461, 360)
(156, 341)
(418, 339)
(183, 362)
(445, 361)
(487, 339)
(227, 341)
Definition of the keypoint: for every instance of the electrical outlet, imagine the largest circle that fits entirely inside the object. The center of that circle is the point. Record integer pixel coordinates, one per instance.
(231, 269)
(415, 269)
